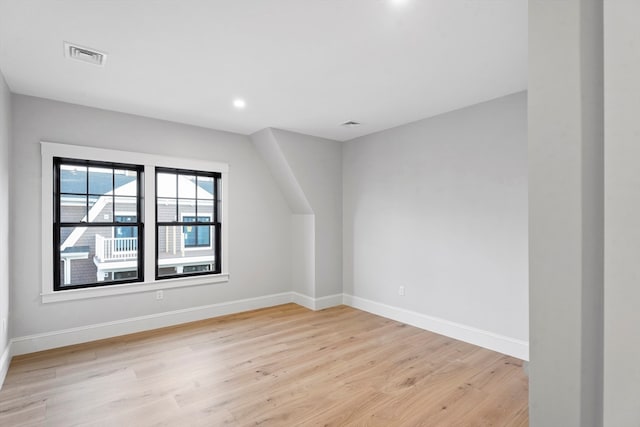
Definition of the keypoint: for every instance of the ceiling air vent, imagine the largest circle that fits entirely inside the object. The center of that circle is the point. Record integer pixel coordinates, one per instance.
(84, 54)
(350, 124)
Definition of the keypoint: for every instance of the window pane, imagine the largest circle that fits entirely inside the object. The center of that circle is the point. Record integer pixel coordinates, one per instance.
(127, 217)
(125, 275)
(190, 236)
(124, 244)
(73, 179)
(205, 187)
(168, 239)
(73, 208)
(196, 268)
(186, 207)
(203, 234)
(175, 257)
(196, 235)
(100, 180)
(94, 255)
(126, 182)
(186, 187)
(166, 184)
(100, 208)
(126, 230)
(126, 206)
(166, 209)
(205, 211)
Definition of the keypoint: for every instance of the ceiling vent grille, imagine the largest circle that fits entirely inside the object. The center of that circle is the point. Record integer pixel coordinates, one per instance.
(84, 54)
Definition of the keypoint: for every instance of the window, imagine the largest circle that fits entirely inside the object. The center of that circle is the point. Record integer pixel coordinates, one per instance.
(187, 225)
(194, 236)
(127, 231)
(91, 248)
(96, 238)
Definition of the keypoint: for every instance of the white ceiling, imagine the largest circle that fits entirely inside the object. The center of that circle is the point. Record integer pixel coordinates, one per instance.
(301, 65)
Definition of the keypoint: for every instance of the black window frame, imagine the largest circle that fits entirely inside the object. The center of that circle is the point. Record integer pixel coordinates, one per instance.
(58, 224)
(215, 223)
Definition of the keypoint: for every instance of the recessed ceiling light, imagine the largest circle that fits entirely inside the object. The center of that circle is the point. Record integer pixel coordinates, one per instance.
(239, 103)
(350, 124)
(398, 2)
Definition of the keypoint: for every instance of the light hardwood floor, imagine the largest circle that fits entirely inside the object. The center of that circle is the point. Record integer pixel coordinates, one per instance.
(281, 366)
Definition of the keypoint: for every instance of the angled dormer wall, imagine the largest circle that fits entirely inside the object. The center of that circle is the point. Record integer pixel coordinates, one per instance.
(309, 172)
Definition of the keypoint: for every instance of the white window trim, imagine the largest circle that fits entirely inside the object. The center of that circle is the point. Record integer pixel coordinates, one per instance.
(49, 150)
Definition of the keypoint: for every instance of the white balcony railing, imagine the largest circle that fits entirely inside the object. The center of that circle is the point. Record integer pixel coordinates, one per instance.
(116, 249)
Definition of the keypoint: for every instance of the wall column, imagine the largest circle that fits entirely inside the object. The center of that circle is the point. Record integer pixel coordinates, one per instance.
(622, 226)
(566, 212)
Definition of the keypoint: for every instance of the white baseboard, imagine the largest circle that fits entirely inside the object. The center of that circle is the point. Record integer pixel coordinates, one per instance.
(329, 301)
(54, 339)
(317, 303)
(48, 340)
(5, 361)
(303, 300)
(502, 344)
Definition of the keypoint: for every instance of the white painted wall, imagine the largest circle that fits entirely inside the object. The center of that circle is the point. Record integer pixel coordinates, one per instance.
(622, 214)
(287, 181)
(566, 218)
(317, 166)
(440, 206)
(303, 254)
(260, 219)
(303, 259)
(5, 267)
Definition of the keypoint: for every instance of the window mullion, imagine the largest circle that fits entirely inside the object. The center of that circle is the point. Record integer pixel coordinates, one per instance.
(150, 215)
(86, 210)
(113, 194)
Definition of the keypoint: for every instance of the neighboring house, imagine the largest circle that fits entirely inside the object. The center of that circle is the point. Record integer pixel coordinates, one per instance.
(90, 254)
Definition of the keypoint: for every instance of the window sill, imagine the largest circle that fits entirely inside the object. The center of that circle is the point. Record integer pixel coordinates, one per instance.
(131, 288)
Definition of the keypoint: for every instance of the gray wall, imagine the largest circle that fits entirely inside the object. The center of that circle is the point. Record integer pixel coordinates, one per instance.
(566, 221)
(317, 166)
(440, 207)
(308, 170)
(259, 224)
(5, 248)
(622, 220)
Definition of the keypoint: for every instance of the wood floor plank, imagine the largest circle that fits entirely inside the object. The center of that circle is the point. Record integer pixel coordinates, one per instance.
(281, 366)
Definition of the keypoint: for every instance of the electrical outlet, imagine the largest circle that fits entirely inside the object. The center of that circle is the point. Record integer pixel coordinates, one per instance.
(401, 291)
(159, 295)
